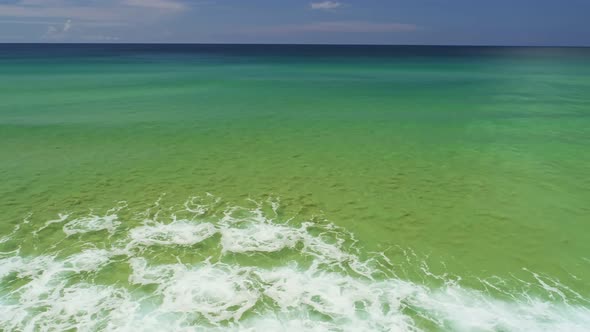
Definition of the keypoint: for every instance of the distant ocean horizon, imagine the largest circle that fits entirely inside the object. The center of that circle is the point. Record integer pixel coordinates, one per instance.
(251, 187)
(301, 44)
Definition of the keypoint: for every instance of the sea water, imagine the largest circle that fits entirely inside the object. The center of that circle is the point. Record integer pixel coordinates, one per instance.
(321, 188)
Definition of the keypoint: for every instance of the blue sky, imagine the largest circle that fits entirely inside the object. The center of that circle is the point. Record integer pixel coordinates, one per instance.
(441, 22)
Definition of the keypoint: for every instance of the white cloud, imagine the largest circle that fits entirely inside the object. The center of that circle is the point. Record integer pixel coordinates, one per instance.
(27, 22)
(101, 38)
(106, 10)
(93, 24)
(51, 30)
(157, 4)
(41, 2)
(62, 11)
(76, 19)
(54, 32)
(325, 5)
(338, 27)
(67, 26)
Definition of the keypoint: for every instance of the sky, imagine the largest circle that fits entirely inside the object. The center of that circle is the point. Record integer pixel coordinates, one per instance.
(421, 22)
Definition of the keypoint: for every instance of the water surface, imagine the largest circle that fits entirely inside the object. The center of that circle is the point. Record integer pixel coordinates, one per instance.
(294, 187)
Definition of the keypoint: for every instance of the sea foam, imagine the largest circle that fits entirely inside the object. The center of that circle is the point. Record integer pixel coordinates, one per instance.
(323, 284)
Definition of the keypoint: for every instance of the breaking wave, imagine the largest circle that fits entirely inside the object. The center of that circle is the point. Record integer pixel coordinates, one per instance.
(212, 266)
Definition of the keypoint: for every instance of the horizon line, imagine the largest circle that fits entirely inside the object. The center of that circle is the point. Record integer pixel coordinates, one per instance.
(292, 44)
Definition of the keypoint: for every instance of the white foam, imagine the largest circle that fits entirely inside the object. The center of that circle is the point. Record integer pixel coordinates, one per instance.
(259, 237)
(92, 223)
(144, 275)
(215, 292)
(61, 218)
(88, 260)
(81, 308)
(179, 232)
(330, 289)
(10, 262)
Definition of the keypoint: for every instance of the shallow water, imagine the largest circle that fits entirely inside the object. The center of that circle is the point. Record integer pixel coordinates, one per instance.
(326, 188)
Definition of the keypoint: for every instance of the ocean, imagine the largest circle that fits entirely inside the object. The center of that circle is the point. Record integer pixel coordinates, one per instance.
(294, 187)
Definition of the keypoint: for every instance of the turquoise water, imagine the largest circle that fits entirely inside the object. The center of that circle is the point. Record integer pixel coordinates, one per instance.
(294, 187)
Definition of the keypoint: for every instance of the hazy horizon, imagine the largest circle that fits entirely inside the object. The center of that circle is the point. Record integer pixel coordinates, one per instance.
(293, 44)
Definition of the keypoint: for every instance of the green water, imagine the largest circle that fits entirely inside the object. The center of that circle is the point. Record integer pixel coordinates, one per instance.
(478, 164)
